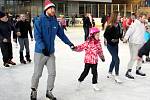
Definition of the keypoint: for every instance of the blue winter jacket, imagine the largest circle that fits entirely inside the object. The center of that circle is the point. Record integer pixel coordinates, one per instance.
(45, 30)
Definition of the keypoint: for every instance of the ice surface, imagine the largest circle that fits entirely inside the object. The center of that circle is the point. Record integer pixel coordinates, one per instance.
(15, 81)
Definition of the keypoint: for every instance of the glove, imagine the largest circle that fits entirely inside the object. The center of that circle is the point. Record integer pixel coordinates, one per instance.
(45, 52)
(5, 40)
(103, 59)
(72, 47)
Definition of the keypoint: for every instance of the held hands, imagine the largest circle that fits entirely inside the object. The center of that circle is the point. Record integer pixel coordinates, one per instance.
(121, 39)
(125, 40)
(72, 47)
(31, 39)
(103, 58)
(45, 52)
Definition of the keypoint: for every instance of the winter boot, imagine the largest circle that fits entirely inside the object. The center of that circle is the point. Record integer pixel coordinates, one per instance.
(50, 96)
(11, 62)
(128, 74)
(22, 58)
(139, 72)
(95, 87)
(33, 95)
(28, 57)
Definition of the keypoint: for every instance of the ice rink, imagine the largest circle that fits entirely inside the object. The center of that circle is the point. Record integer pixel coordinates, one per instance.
(15, 81)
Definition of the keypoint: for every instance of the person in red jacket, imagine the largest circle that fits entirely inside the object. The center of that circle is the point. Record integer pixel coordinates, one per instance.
(93, 49)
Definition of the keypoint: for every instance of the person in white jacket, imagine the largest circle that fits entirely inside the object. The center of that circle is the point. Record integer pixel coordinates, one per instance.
(135, 35)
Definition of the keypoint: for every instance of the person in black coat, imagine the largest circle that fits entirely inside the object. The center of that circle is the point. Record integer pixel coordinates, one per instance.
(112, 35)
(86, 26)
(5, 40)
(22, 28)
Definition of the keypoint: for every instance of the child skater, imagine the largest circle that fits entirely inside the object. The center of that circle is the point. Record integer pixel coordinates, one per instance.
(93, 49)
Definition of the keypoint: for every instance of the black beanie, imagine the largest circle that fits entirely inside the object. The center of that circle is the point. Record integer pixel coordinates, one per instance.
(2, 14)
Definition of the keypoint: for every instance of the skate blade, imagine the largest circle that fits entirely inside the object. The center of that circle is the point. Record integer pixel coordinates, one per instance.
(139, 76)
(77, 89)
(97, 90)
(108, 77)
(51, 99)
(118, 82)
(129, 79)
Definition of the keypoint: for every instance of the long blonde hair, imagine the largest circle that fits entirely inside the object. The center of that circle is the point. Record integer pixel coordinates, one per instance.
(113, 18)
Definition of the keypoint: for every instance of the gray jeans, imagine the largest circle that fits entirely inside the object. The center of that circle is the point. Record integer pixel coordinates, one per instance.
(39, 61)
(134, 48)
(23, 42)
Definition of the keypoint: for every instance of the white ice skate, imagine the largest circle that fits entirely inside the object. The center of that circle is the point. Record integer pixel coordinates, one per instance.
(50, 96)
(79, 85)
(117, 80)
(111, 76)
(95, 87)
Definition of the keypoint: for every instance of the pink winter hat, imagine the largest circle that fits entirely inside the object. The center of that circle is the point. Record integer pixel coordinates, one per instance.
(48, 4)
(94, 30)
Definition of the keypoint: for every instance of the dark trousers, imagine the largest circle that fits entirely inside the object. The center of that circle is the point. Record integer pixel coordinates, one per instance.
(145, 49)
(86, 71)
(115, 58)
(86, 31)
(6, 49)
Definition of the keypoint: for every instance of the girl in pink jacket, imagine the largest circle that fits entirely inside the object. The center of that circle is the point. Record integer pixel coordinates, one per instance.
(93, 49)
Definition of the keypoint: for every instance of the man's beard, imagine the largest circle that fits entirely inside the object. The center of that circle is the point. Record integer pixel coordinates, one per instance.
(51, 14)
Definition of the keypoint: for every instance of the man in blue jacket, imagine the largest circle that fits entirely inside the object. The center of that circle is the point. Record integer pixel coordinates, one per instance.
(46, 28)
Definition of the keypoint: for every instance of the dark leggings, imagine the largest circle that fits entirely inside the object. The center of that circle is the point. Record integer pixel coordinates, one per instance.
(115, 58)
(86, 71)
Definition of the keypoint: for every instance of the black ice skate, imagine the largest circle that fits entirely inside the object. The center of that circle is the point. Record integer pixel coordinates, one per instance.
(22, 61)
(147, 59)
(128, 74)
(28, 57)
(6, 65)
(33, 95)
(139, 72)
(50, 96)
(29, 60)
